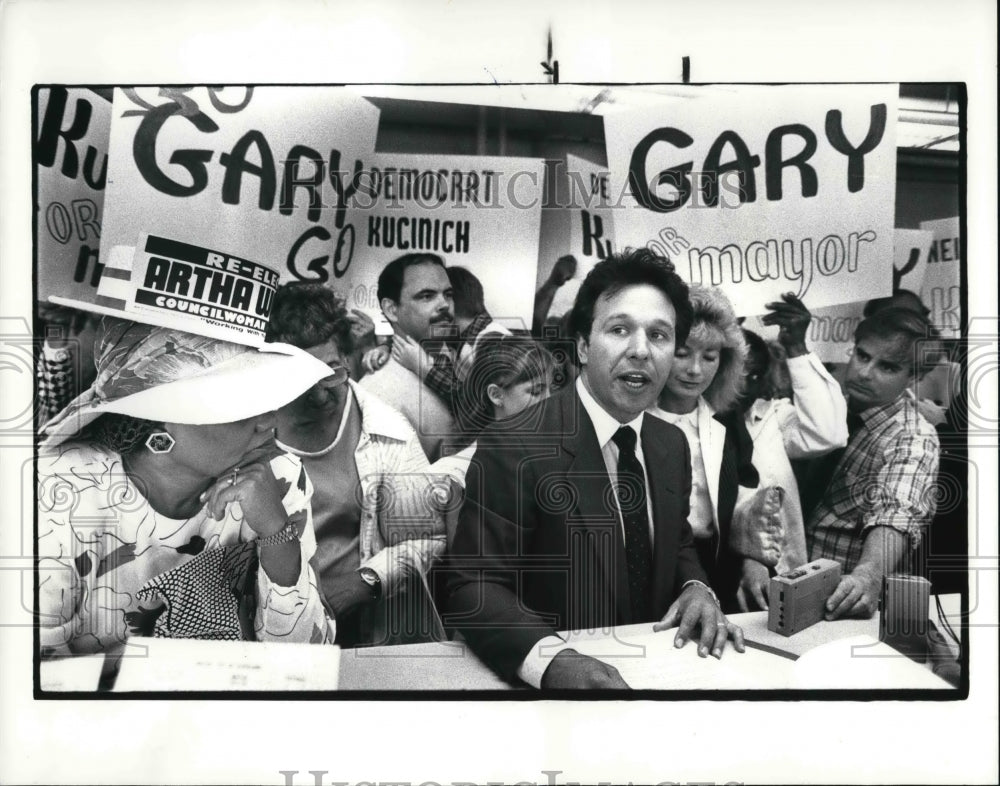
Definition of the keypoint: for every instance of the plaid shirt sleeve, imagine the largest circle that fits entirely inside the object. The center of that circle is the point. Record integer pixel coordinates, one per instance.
(886, 478)
(441, 379)
(903, 492)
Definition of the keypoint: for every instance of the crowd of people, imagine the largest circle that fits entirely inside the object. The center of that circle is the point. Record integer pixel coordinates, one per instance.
(463, 480)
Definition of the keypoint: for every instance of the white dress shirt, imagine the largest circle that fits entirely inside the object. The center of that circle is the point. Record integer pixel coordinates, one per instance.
(702, 515)
(537, 660)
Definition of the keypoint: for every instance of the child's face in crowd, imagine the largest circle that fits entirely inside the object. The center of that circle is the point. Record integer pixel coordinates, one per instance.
(520, 396)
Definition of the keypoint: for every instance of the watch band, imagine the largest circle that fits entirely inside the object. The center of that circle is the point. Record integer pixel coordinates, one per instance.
(286, 534)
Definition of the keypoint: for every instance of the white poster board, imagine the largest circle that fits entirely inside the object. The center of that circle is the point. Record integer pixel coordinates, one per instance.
(585, 229)
(831, 331)
(71, 150)
(775, 189)
(482, 213)
(263, 173)
(910, 253)
(941, 289)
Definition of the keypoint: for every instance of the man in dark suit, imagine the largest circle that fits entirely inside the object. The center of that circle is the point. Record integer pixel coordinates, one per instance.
(576, 510)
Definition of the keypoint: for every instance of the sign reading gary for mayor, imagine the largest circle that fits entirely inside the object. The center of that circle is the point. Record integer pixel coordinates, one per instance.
(264, 172)
(71, 153)
(778, 189)
(482, 213)
(175, 284)
(831, 329)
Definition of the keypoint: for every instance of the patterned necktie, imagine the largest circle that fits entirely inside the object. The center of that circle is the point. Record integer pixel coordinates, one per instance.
(631, 489)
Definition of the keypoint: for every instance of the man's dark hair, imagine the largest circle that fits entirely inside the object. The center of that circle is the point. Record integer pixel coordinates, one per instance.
(911, 325)
(306, 314)
(633, 266)
(900, 298)
(390, 280)
(467, 290)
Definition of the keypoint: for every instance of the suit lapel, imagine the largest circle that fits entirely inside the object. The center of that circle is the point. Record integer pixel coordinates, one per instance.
(664, 486)
(595, 506)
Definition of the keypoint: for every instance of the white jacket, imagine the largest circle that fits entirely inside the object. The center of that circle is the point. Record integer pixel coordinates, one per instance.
(816, 422)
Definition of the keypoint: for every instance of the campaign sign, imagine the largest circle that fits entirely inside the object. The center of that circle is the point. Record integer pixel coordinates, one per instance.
(580, 224)
(830, 334)
(71, 154)
(264, 172)
(910, 254)
(477, 212)
(831, 331)
(941, 289)
(173, 284)
(778, 189)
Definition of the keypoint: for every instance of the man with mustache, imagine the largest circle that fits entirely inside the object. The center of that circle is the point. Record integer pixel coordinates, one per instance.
(575, 514)
(376, 515)
(879, 491)
(415, 295)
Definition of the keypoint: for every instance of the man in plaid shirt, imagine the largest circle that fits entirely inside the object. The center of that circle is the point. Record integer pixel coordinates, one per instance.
(880, 496)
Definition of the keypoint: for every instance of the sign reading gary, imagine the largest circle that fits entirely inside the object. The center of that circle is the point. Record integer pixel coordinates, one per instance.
(783, 188)
(71, 153)
(265, 172)
(199, 290)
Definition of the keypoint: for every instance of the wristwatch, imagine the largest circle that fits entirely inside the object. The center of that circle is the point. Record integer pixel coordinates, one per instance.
(286, 534)
(370, 577)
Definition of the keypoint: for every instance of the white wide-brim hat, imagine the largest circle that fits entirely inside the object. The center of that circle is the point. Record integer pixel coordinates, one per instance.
(168, 375)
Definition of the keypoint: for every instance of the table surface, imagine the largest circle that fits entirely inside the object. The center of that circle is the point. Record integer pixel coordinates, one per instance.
(453, 666)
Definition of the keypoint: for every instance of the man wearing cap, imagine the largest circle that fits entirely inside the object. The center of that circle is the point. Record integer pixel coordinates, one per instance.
(576, 511)
(415, 295)
(376, 511)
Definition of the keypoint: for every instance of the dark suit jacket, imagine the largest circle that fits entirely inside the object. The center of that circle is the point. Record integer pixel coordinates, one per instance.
(722, 565)
(539, 547)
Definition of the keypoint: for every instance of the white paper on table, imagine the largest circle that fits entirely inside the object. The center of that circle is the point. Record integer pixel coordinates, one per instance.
(652, 662)
(861, 663)
(197, 665)
(80, 673)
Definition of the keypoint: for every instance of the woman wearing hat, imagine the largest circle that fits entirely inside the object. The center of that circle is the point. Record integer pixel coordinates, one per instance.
(164, 506)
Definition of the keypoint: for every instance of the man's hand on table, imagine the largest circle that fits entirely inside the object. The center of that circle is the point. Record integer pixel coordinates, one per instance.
(570, 670)
(856, 595)
(696, 608)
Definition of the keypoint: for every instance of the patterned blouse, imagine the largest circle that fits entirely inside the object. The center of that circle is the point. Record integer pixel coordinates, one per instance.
(100, 542)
